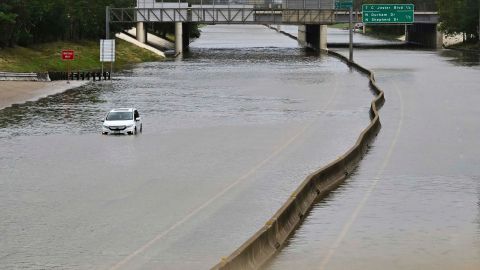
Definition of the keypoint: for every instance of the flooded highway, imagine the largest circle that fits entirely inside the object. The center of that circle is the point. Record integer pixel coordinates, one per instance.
(414, 202)
(230, 131)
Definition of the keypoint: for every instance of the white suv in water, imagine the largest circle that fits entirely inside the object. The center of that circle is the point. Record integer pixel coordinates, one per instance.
(122, 121)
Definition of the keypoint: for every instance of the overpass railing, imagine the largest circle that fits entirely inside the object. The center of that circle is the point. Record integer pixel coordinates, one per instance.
(258, 4)
(251, 11)
(420, 5)
(226, 14)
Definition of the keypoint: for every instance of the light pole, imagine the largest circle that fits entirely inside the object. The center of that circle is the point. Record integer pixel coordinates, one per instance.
(350, 28)
(107, 22)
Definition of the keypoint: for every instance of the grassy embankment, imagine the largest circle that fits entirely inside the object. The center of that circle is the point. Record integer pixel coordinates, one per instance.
(47, 57)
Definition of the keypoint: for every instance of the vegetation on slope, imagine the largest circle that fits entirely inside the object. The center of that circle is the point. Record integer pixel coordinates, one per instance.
(46, 56)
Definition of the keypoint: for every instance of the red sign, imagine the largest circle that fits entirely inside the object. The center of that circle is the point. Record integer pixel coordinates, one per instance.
(68, 54)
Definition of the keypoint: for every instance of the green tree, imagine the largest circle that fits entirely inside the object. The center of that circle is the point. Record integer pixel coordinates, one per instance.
(7, 21)
(25, 22)
(460, 17)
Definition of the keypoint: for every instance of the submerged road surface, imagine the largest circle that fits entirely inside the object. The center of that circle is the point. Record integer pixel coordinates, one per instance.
(414, 202)
(229, 133)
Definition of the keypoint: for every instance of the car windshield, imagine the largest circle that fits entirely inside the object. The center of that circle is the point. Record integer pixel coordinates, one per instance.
(116, 116)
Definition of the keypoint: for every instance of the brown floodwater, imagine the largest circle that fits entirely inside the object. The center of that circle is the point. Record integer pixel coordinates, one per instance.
(230, 130)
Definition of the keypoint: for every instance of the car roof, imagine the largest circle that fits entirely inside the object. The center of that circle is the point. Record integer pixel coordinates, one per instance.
(123, 110)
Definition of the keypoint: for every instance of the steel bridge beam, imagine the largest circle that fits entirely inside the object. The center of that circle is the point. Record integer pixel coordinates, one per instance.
(223, 15)
(236, 15)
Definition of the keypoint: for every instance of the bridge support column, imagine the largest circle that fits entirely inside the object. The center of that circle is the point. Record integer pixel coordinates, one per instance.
(313, 36)
(302, 35)
(141, 32)
(323, 37)
(186, 28)
(178, 38)
(426, 35)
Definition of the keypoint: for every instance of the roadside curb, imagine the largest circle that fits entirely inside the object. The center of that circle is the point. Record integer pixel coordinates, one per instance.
(261, 247)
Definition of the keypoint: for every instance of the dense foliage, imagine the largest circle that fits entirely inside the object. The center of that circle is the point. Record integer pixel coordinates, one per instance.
(25, 22)
(460, 16)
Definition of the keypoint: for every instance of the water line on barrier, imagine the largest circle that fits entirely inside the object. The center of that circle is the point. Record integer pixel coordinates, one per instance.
(347, 226)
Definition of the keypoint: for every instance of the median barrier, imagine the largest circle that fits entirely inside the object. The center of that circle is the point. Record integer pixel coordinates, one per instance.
(257, 250)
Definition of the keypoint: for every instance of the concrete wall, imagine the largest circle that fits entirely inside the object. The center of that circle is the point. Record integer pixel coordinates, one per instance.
(265, 243)
(426, 35)
(160, 4)
(308, 4)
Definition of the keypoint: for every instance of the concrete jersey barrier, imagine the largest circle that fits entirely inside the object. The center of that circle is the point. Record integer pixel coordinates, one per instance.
(267, 241)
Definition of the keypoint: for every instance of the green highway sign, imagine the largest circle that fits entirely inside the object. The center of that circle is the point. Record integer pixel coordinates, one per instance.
(388, 13)
(343, 4)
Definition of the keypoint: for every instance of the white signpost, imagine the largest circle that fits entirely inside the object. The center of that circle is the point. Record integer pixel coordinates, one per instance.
(107, 53)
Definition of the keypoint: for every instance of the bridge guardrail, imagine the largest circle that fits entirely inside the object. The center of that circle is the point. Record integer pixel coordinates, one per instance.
(264, 243)
(20, 76)
(420, 5)
(222, 14)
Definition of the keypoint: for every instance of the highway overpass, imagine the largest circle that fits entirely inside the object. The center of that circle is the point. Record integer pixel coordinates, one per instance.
(315, 15)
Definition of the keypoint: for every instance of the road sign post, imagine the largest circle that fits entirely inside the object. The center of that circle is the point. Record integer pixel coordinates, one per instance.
(350, 29)
(107, 22)
(388, 13)
(107, 53)
(68, 55)
(347, 5)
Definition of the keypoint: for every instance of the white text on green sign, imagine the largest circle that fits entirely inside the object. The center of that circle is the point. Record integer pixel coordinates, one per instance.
(388, 13)
(343, 4)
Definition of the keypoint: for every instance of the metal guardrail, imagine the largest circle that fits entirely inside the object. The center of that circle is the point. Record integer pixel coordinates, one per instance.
(19, 76)
(55, 76)
(79, 76)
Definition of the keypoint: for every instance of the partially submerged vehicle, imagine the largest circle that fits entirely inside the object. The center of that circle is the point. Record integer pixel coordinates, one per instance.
(122, 121)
